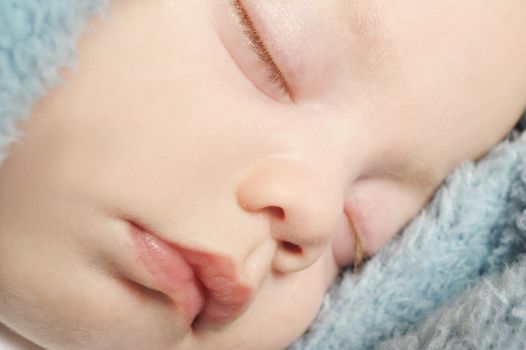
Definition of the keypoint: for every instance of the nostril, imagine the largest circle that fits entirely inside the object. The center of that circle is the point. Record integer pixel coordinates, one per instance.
(291, 247)
(276, 212)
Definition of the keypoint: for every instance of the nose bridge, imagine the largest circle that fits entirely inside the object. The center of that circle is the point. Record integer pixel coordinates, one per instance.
(304, 201)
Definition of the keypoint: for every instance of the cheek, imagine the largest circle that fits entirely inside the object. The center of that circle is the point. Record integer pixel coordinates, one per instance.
(283, 310)
(380, 208)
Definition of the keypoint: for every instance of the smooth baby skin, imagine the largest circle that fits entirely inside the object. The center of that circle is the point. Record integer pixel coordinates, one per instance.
(178, 121)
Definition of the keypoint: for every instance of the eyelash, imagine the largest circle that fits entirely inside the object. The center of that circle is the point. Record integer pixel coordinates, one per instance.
(275, 76)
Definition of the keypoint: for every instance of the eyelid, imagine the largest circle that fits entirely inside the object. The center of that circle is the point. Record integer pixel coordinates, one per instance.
(258, 46)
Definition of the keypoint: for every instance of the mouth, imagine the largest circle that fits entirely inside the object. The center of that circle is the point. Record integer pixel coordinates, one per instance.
(204, 287)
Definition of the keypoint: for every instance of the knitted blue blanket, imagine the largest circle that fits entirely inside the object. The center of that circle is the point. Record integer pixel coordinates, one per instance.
(455, 278)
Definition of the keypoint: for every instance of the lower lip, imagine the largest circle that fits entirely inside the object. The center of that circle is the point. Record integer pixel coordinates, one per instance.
(170, 273)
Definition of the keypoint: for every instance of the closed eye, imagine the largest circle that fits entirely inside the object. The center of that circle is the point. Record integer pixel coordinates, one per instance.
(274, 74)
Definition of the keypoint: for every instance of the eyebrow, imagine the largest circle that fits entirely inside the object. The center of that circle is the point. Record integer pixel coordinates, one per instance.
(360, 20)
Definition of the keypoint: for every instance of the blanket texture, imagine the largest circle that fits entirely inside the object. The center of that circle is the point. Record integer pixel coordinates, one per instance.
(455, 278)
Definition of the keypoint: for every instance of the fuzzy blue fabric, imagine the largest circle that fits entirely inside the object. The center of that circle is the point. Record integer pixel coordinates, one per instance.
(455, 278)
(36, 38)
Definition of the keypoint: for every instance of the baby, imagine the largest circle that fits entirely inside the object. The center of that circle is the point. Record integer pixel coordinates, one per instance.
(209, 167)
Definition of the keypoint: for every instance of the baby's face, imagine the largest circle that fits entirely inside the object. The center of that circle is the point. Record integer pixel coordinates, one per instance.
(196, 181)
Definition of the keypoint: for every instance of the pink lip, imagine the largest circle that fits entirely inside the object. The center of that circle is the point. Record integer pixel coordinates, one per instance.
(204, 287)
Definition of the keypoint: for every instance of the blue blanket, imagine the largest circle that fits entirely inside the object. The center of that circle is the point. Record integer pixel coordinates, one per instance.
(454, 278)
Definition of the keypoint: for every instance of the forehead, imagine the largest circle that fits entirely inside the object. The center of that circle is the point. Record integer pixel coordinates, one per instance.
(429, 36)
(374, 21)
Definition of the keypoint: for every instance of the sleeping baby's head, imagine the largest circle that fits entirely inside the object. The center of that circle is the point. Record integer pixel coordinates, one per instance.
(208, 168)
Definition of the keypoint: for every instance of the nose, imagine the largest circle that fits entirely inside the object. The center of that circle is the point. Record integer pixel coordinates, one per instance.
(304, 204)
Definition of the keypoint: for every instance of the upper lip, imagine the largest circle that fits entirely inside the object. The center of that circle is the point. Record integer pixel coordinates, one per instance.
(211, 292)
